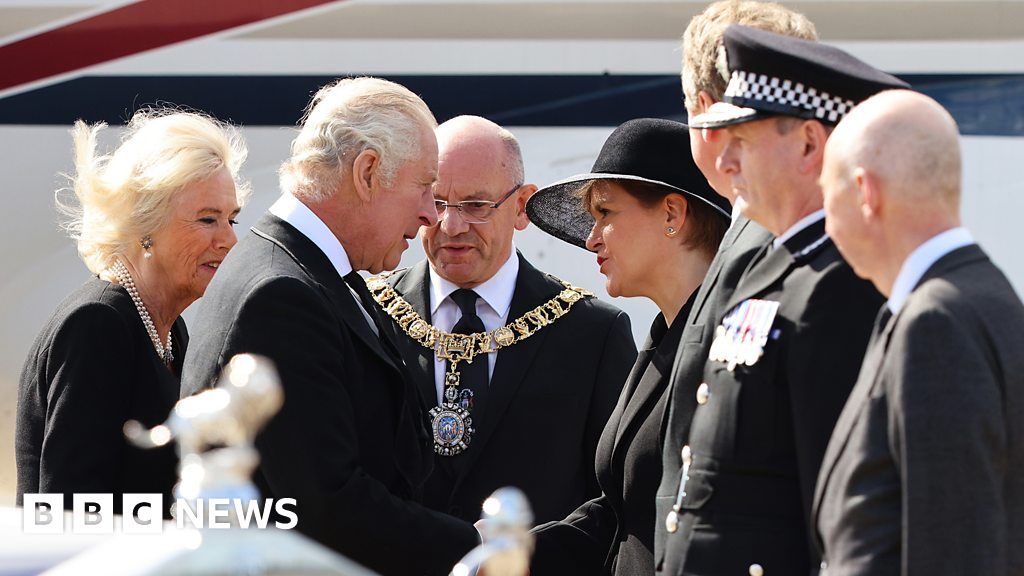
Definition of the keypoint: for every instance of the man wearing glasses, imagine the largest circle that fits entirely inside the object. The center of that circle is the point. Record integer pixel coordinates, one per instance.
(530, 413)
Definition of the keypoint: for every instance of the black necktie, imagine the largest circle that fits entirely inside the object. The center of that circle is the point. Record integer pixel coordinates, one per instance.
(472, 376)
(358, 285)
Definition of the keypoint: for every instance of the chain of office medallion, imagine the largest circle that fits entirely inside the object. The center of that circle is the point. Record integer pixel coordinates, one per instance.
(459, 347)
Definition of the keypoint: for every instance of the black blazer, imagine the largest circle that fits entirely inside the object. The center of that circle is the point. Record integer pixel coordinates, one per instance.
(743, 240)
(614, 533)
(91, 369)
(350, 442)
(924, 473)
(758, 441)
(549, 398)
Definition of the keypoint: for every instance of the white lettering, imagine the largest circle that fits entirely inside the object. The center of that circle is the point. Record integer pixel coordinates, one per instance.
(185, 509)
(92, 513)
(218, 508)
(253, 508)
(293, 518)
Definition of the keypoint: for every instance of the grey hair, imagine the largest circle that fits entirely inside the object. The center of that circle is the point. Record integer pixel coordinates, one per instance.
(514, 155)
(342, 120)
(122, 197)
(704, 61)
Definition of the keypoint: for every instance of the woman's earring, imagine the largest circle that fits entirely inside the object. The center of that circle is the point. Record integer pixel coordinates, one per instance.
(147, 243)
(670, 231)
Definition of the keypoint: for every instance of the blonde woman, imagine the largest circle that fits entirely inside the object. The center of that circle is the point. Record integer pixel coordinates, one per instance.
(153, 221)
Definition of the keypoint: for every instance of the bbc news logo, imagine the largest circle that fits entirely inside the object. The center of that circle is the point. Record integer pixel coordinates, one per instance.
(94, 513)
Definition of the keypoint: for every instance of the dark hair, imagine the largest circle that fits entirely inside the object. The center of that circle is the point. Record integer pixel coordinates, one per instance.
(705, 227)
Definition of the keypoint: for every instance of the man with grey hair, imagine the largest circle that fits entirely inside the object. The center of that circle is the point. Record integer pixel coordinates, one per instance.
(704, 79)
(924, 473)
(349, 444)
(542, 399)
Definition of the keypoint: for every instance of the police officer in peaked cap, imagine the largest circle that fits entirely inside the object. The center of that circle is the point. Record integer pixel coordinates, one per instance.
(787, 352)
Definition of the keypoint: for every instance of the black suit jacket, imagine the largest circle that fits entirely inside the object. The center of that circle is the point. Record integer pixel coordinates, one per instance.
(758, 441)
(549, 398)
(743, 240)
(91, 369)
(614, 533)
(924, 473)
(350, 442)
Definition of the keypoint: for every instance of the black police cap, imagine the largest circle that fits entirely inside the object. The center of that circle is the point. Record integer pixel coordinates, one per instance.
(772, 74)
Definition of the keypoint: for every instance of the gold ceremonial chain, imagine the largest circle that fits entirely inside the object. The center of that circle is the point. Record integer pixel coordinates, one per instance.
(452, 425)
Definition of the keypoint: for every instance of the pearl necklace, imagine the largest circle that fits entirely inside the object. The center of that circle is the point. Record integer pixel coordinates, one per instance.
(120, 271)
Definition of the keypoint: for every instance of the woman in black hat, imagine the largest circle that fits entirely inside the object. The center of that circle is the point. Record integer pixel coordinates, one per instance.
(654, 224)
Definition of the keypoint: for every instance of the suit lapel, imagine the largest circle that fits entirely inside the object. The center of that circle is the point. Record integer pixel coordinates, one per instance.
(767, 270)
(315, 263)
(414, 286)
(412, 455)
(532, 289)
(870, 371)
(655, 376)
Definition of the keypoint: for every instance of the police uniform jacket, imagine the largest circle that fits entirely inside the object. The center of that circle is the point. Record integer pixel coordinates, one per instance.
(548, 400)
(924, 473)
(350, 443)
(743, 240)
(759, 434)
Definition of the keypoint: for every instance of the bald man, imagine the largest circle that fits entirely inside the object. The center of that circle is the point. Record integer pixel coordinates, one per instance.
(530, 413)
(924, 473)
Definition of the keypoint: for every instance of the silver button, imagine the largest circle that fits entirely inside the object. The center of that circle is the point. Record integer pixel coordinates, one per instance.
(672, 522)
(703, 393)
(756, 570)
(685, 454)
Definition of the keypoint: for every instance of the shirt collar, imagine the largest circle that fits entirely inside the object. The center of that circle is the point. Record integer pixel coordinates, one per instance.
(294, 212)
(801, 224)
(496, 291)
(921, 259)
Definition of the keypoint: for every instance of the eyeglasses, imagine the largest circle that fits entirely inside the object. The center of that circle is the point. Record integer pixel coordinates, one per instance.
(474, 211)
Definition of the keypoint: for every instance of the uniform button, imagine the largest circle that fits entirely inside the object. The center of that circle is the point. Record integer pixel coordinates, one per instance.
(756, 570)
(703, 393)
(672, 522)
(685, 454)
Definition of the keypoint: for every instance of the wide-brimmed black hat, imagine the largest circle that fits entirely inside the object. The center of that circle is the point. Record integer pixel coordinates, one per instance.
(650, 150)
(772, 74)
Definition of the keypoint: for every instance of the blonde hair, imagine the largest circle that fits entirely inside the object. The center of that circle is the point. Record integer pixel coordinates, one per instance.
(344, 119)
(122, 197)
(704, 66)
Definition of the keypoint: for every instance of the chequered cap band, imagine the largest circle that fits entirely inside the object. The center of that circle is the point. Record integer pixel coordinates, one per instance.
(752, 87)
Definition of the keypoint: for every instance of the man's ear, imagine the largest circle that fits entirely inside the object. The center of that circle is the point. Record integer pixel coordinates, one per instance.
(364, 174)
(704, 101)
(814, 137)
(870, 194)
(522, 220)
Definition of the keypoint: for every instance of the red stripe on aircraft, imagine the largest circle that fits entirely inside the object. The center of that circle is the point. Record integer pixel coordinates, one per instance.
(129, 30)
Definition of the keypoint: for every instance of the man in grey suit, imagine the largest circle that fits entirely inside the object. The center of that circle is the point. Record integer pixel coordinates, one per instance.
(924, 473)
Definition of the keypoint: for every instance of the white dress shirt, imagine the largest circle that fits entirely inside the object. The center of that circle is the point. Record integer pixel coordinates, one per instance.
(801, 224)
(294, 212)
(492, 307)
(921, 259)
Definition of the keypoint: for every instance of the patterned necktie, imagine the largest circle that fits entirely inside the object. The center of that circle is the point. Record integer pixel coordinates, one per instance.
(472, 376)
